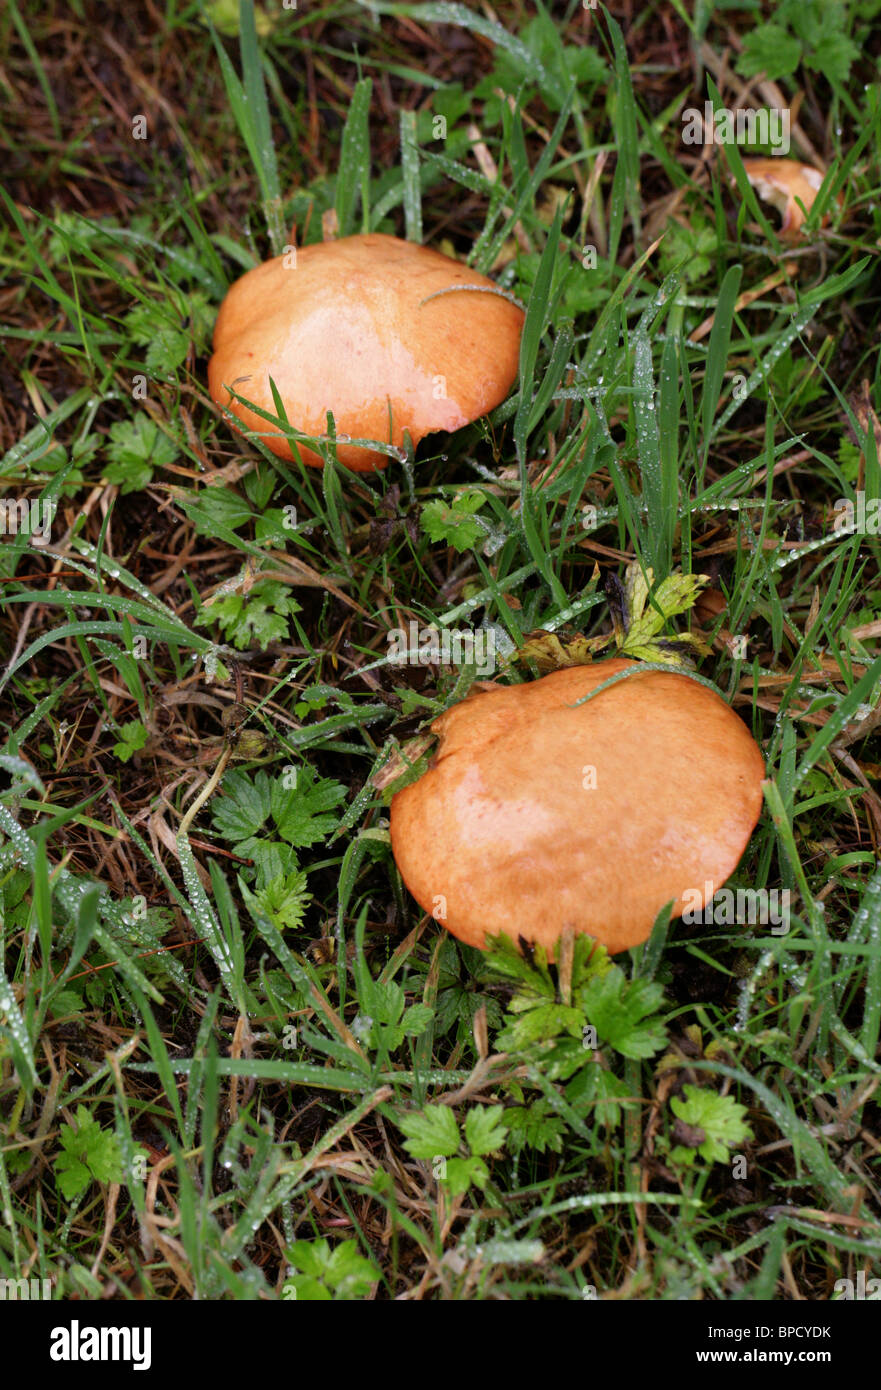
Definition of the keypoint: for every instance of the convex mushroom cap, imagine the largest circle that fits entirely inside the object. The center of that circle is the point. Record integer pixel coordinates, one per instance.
(784, 184)
(363, 327)
(538, 813)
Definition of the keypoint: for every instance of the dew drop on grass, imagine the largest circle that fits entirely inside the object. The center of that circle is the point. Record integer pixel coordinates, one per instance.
(747, 989)
(14, 1021)
(203, 917)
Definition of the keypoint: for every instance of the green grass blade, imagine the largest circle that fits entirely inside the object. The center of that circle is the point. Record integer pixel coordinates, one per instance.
(250, 109)
(717, 353)
(410, 172)
(353, 175)
(625, 185)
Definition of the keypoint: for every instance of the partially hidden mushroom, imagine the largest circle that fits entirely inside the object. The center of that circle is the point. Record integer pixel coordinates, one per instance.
(391, 337)
(788, 186)
(540, 813)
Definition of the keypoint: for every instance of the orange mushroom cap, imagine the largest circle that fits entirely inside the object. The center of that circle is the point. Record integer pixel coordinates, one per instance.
(350, 326)
(538, 814)
(780, 182)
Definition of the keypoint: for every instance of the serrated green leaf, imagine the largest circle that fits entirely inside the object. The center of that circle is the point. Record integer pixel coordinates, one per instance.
(769, 49)
(304, 814)
(88, 1152)
(133, 737)
(538, 1022)
(454, 523)
(416, 1019)
(534, 1126)
(722, 1120)
(73, 1177)
(349, 1273)
(284, 899)
(244, 807)
(136, 449)
(485, 1129)
(621, 1010)
(253, 618)
(431, 1132)
(595, 1092)
(462, 1173)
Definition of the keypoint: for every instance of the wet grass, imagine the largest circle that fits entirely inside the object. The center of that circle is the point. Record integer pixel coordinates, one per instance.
(222, 1017)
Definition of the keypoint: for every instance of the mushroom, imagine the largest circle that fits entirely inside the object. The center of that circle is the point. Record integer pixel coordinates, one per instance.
(781, 182)
(539, 813)
(366, 327)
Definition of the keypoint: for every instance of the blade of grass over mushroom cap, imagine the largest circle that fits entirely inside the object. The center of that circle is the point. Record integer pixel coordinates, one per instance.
(295, 436)
(355, 327)
(800, 192)
(639, 666)
(476, 289)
